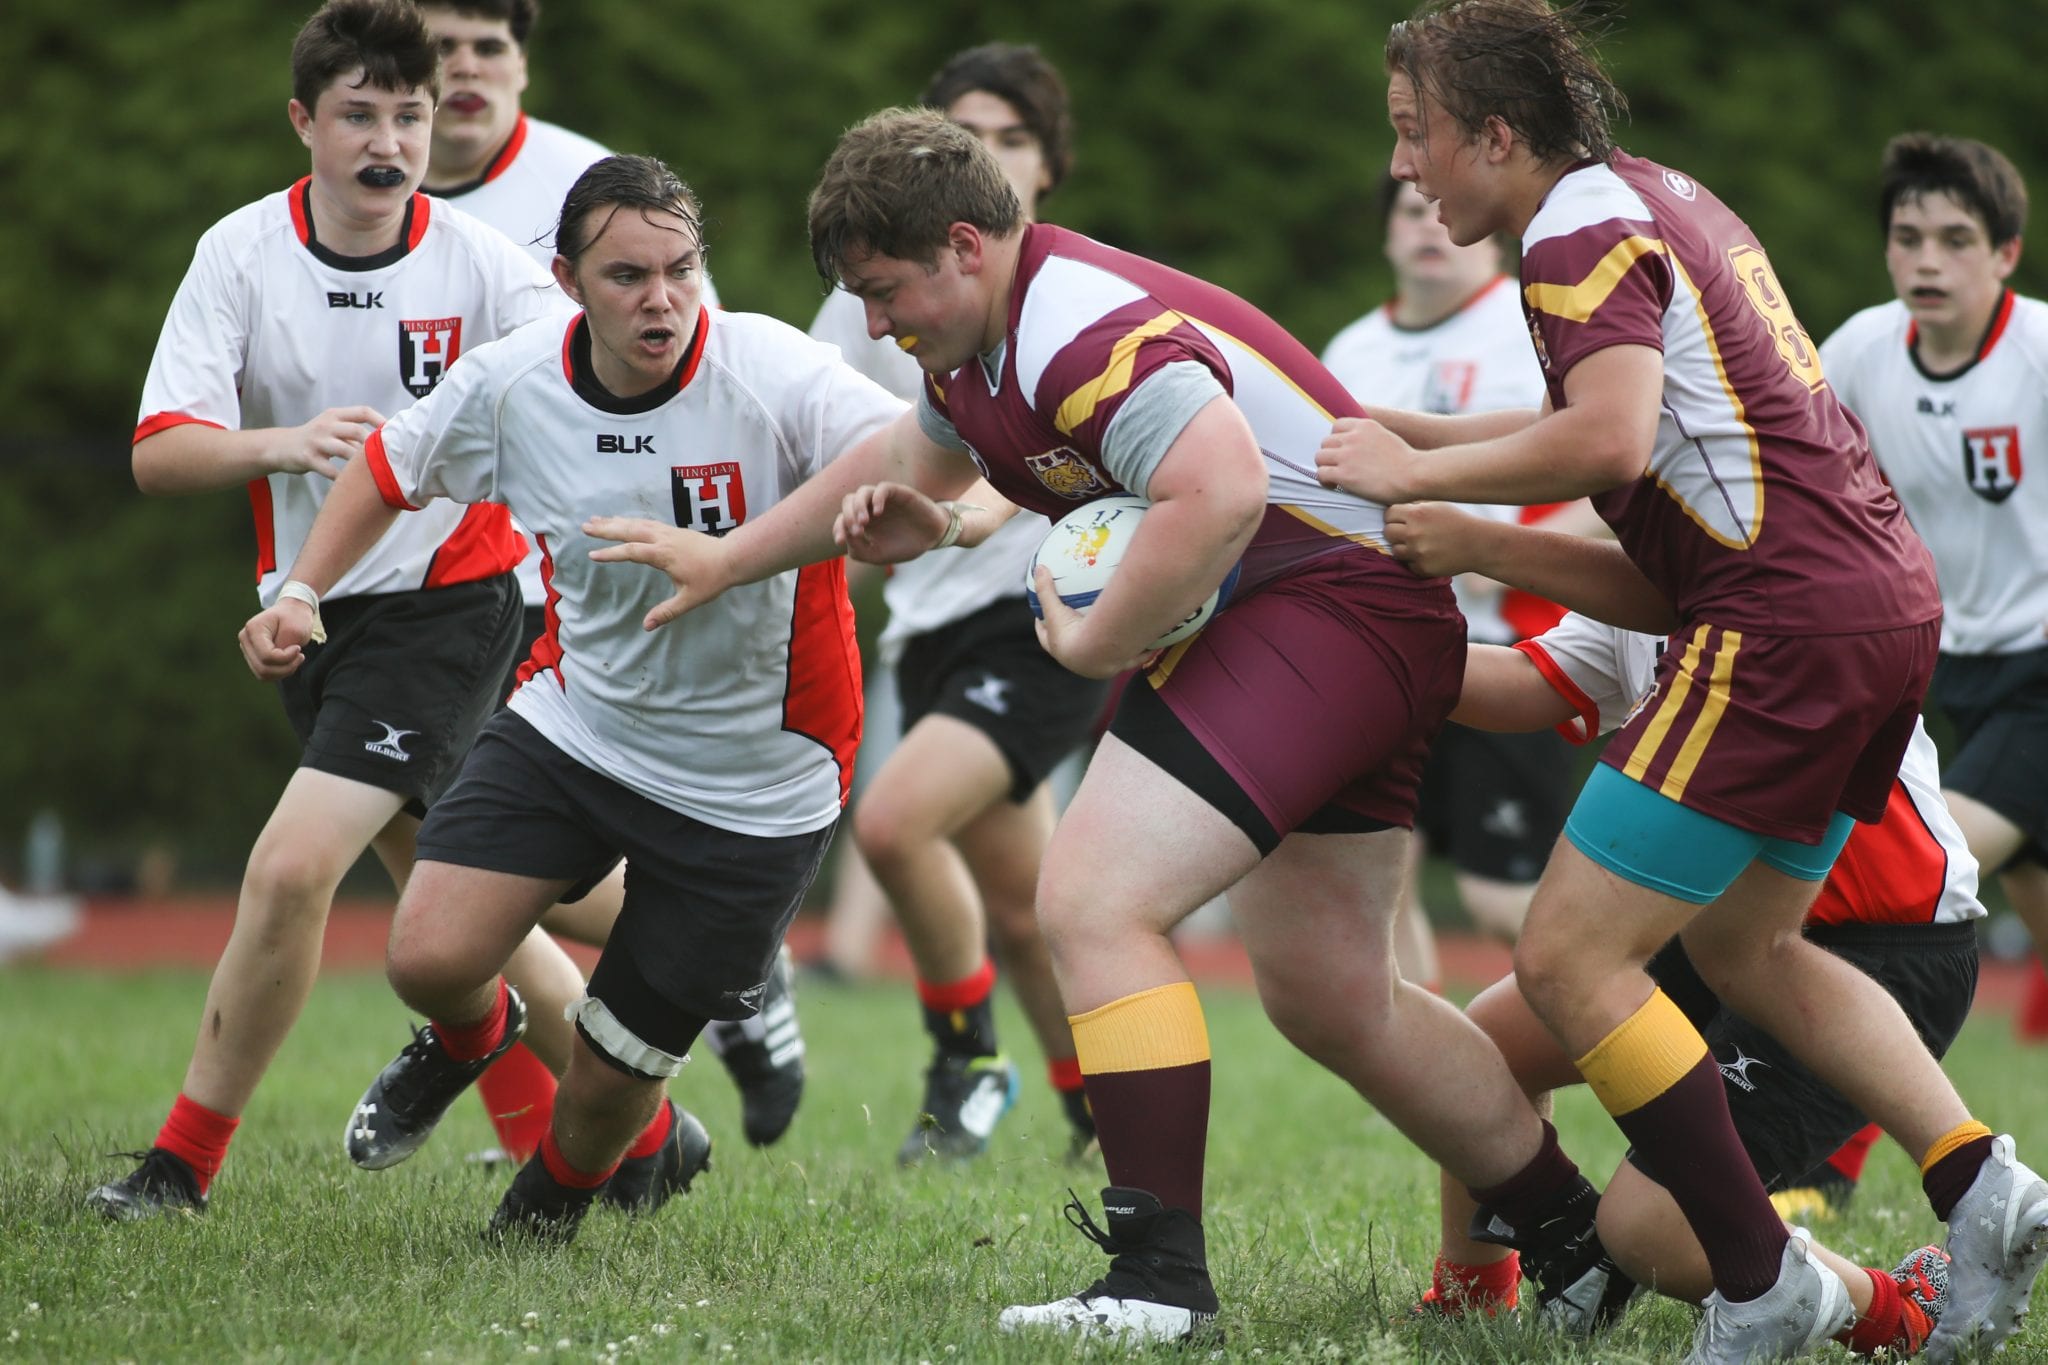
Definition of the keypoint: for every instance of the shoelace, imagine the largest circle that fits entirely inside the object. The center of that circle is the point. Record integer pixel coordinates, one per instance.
(1077, 1215)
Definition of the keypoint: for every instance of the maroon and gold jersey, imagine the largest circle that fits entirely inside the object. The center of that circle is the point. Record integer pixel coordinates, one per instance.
(1051, 420)
(1760, 508)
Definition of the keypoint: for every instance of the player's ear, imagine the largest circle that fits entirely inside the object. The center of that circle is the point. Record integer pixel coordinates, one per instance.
(964, 241)
(302, 121)
(2006, 257)
(564, 271)
(1498, 138)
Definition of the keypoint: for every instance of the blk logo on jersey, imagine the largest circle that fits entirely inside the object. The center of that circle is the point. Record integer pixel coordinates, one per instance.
(608, 444)
(369, 299)
(425, 351)
(711, 498)
(1065, 472)
(1991, 461)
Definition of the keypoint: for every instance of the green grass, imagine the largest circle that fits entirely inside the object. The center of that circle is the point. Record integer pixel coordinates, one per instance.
(1320, 1217)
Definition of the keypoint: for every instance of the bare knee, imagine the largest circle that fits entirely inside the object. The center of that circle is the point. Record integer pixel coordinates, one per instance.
(1548, 971)
(286, 877)
(886, 836)
(426, 971)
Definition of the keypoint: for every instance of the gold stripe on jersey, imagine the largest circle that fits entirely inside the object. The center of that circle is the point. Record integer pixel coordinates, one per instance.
(1719, 687)
(1741, 414)
(1277, 372)
(1357, 537)
(1578, 302)
(1081, 404)
(1645, 752)
(1162, 667)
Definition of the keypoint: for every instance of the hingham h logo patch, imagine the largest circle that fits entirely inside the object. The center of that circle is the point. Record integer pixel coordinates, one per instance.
(1991, 461)
(425, 351)
(711, 498)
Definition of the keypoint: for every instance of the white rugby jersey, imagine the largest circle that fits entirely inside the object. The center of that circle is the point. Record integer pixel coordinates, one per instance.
(745, 713)
(942, 586)
(520, 194)
(1913, 867)
(269, 329)
(1476, 360)
(1955, 450)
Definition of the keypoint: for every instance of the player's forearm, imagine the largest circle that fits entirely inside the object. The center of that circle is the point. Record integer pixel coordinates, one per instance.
(193, 457)
(352, 519)
(983, 512)
(1183, 548)
(798, 530)
(1569, 454)
(1505, 692)
(1433, 430)
(1595, 578)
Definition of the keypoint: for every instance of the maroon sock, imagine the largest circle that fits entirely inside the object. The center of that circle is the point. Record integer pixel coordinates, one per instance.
(467, 1042)
(1154, 1129)
(1950, 1178)
(1687, 1143)
(198, 1137)
(1528, 1196)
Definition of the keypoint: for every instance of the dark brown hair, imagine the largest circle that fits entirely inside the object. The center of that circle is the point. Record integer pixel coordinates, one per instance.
(623, 182)
(386, 38)
(1021, 76)
(1522, 61)
(897, 183)
(518, 15)
(1977, 175)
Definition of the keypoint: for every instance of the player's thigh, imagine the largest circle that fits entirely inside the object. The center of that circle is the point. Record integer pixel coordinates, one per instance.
(1993, 839)
(1135, 850)
(456, 924)
(942, 775)
(1005, 846)
(1316, 918)
(1503, 1014)
(319, 827)
(1765, 907)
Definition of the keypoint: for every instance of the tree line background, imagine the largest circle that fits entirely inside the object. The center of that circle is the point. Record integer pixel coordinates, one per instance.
(1237, 139)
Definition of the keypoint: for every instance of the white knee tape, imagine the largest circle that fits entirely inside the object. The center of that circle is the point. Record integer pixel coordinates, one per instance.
(620, 1043)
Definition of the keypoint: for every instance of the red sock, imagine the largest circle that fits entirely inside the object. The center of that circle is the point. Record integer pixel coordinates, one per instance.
(1849, 1159)
(946, 996)
(1493, 1288)
(198, 1137)
(518, 1092)
(565, 1174)
(2032, 1021)
(1894, 1323)
(654, 1134)
(1065, 1073)
(467, 1042)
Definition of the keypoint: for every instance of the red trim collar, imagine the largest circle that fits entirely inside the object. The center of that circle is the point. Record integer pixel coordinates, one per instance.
(502, 162)
(1991, 334)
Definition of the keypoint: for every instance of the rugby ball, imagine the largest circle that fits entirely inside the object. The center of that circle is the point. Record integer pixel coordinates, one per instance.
(1083, 549)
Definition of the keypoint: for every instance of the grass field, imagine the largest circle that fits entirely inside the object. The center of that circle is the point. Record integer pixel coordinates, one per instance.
(1320, 1217)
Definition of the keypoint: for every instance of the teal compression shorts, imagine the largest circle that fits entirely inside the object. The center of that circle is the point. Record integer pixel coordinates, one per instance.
(1645, 837)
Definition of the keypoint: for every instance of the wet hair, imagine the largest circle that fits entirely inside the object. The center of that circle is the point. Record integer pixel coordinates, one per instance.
(1021, 76)
(518, 15)
(623, 182)
(1525, 62)
(897, 183)
(386, 38)
(1975, 174)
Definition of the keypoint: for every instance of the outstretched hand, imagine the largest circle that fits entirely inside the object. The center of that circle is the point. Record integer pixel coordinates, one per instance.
(273, 641)
(887, 523)
(693, 561)
(336, 434)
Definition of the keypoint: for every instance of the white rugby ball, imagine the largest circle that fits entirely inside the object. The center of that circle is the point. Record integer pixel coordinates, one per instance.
(1083, 549)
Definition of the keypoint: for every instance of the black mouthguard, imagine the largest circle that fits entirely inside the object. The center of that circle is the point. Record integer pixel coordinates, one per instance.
(381, 177)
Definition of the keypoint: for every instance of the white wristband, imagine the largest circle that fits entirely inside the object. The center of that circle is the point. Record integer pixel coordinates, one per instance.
(300, 592)
(951, 536)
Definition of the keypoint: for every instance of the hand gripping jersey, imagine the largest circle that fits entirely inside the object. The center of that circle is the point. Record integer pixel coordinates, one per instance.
(745, 713)
(1912, 867)
(1476, 360)
(1955, 449)
(1760, 508)
(270, 329)
(939, 587)
(1106, 357)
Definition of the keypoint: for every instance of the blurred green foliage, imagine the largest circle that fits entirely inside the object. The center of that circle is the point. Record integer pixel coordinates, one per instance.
(1238, 139)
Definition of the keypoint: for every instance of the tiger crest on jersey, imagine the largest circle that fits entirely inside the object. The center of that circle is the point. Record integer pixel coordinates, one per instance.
(1066, 473)
(426, 348)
